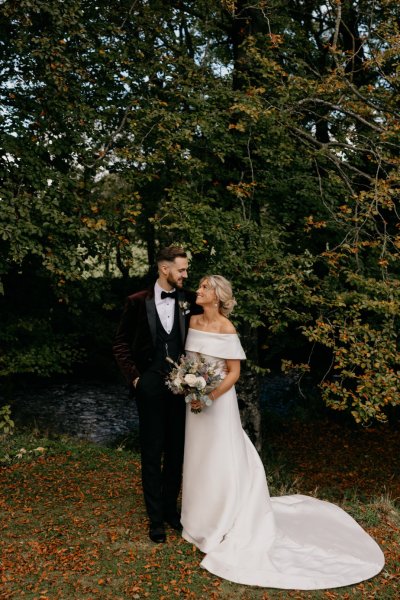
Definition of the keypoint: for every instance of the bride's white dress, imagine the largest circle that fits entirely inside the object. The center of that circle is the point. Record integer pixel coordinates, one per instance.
(289, 542)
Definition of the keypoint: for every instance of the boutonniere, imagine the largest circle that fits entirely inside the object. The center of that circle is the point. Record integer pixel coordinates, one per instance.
(184, 306)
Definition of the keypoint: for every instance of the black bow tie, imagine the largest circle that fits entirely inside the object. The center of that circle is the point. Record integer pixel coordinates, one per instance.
(168, 295)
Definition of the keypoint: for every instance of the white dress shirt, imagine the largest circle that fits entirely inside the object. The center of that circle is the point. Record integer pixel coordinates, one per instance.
(165, 308)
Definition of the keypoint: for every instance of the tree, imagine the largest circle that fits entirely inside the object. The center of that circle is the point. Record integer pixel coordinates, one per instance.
(263, 135)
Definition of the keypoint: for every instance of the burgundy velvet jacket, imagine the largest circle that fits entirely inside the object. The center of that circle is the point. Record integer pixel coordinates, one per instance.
(135, 340)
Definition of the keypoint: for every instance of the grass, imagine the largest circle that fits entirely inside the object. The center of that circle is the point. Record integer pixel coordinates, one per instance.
(73, 526)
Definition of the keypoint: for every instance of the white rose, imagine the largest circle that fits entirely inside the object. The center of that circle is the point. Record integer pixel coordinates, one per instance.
(177, 382)
(191, 379)
(200, 383)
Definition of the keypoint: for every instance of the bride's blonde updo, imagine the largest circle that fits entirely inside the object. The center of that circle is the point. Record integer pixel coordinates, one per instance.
(223, 291)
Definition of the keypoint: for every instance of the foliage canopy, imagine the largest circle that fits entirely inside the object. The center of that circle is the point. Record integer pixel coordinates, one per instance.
(264, 136)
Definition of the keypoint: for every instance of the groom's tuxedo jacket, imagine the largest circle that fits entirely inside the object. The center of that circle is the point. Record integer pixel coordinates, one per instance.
(134, 344)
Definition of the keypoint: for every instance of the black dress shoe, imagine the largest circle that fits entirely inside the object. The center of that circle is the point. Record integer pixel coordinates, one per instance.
(157, 533)
(174, 521)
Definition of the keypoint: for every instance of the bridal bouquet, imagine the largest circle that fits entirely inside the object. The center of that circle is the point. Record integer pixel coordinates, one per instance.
(195, 378)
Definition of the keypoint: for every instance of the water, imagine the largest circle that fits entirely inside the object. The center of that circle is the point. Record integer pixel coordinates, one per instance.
(99, 412)
(279, 394)
(103, 412)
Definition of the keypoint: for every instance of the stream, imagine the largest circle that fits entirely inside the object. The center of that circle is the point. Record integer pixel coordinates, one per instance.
(103, 412)
(99, 412)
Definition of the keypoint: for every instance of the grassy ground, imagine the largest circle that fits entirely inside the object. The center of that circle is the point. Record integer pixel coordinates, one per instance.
(73, 524)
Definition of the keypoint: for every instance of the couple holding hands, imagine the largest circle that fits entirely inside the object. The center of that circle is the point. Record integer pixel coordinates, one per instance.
(287, 542)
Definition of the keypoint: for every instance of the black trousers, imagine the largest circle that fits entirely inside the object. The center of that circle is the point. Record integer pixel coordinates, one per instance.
(162, 431)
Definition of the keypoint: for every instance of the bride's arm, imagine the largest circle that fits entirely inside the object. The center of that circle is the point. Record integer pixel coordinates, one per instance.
(233, 368)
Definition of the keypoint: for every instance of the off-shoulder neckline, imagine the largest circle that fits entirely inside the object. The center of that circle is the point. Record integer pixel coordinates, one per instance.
(210, 332)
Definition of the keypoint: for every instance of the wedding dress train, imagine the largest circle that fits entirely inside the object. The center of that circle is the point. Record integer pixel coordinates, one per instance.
(288, 542)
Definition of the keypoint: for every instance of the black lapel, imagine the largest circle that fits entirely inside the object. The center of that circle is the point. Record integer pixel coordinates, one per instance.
(151, 317)
(180, 297)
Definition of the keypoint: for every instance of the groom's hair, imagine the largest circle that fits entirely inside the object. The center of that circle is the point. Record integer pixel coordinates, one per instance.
(170, 253)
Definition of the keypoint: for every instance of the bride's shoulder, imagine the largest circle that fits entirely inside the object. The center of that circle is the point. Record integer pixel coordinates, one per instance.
(194, 321)
(227, 326)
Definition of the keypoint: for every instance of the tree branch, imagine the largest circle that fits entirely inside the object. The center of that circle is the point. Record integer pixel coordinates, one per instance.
(329, 155)
(346, 111)
(337, 24)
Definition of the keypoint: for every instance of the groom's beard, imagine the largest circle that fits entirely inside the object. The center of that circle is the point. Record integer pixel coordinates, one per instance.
(178, 283)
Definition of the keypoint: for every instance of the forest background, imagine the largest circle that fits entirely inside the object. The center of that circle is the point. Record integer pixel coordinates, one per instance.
(263, 136)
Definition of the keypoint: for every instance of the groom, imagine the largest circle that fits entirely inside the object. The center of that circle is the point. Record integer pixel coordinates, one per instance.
(153, 326)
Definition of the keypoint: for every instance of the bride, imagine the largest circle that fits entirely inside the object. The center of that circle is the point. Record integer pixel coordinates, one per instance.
(289, 542)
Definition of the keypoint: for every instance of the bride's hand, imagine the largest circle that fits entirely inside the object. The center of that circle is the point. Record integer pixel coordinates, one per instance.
(196, 405)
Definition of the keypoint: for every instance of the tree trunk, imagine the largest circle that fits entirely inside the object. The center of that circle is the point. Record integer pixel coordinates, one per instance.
(248, 20)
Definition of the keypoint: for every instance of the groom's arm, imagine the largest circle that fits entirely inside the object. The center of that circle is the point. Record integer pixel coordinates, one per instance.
(126, 333)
